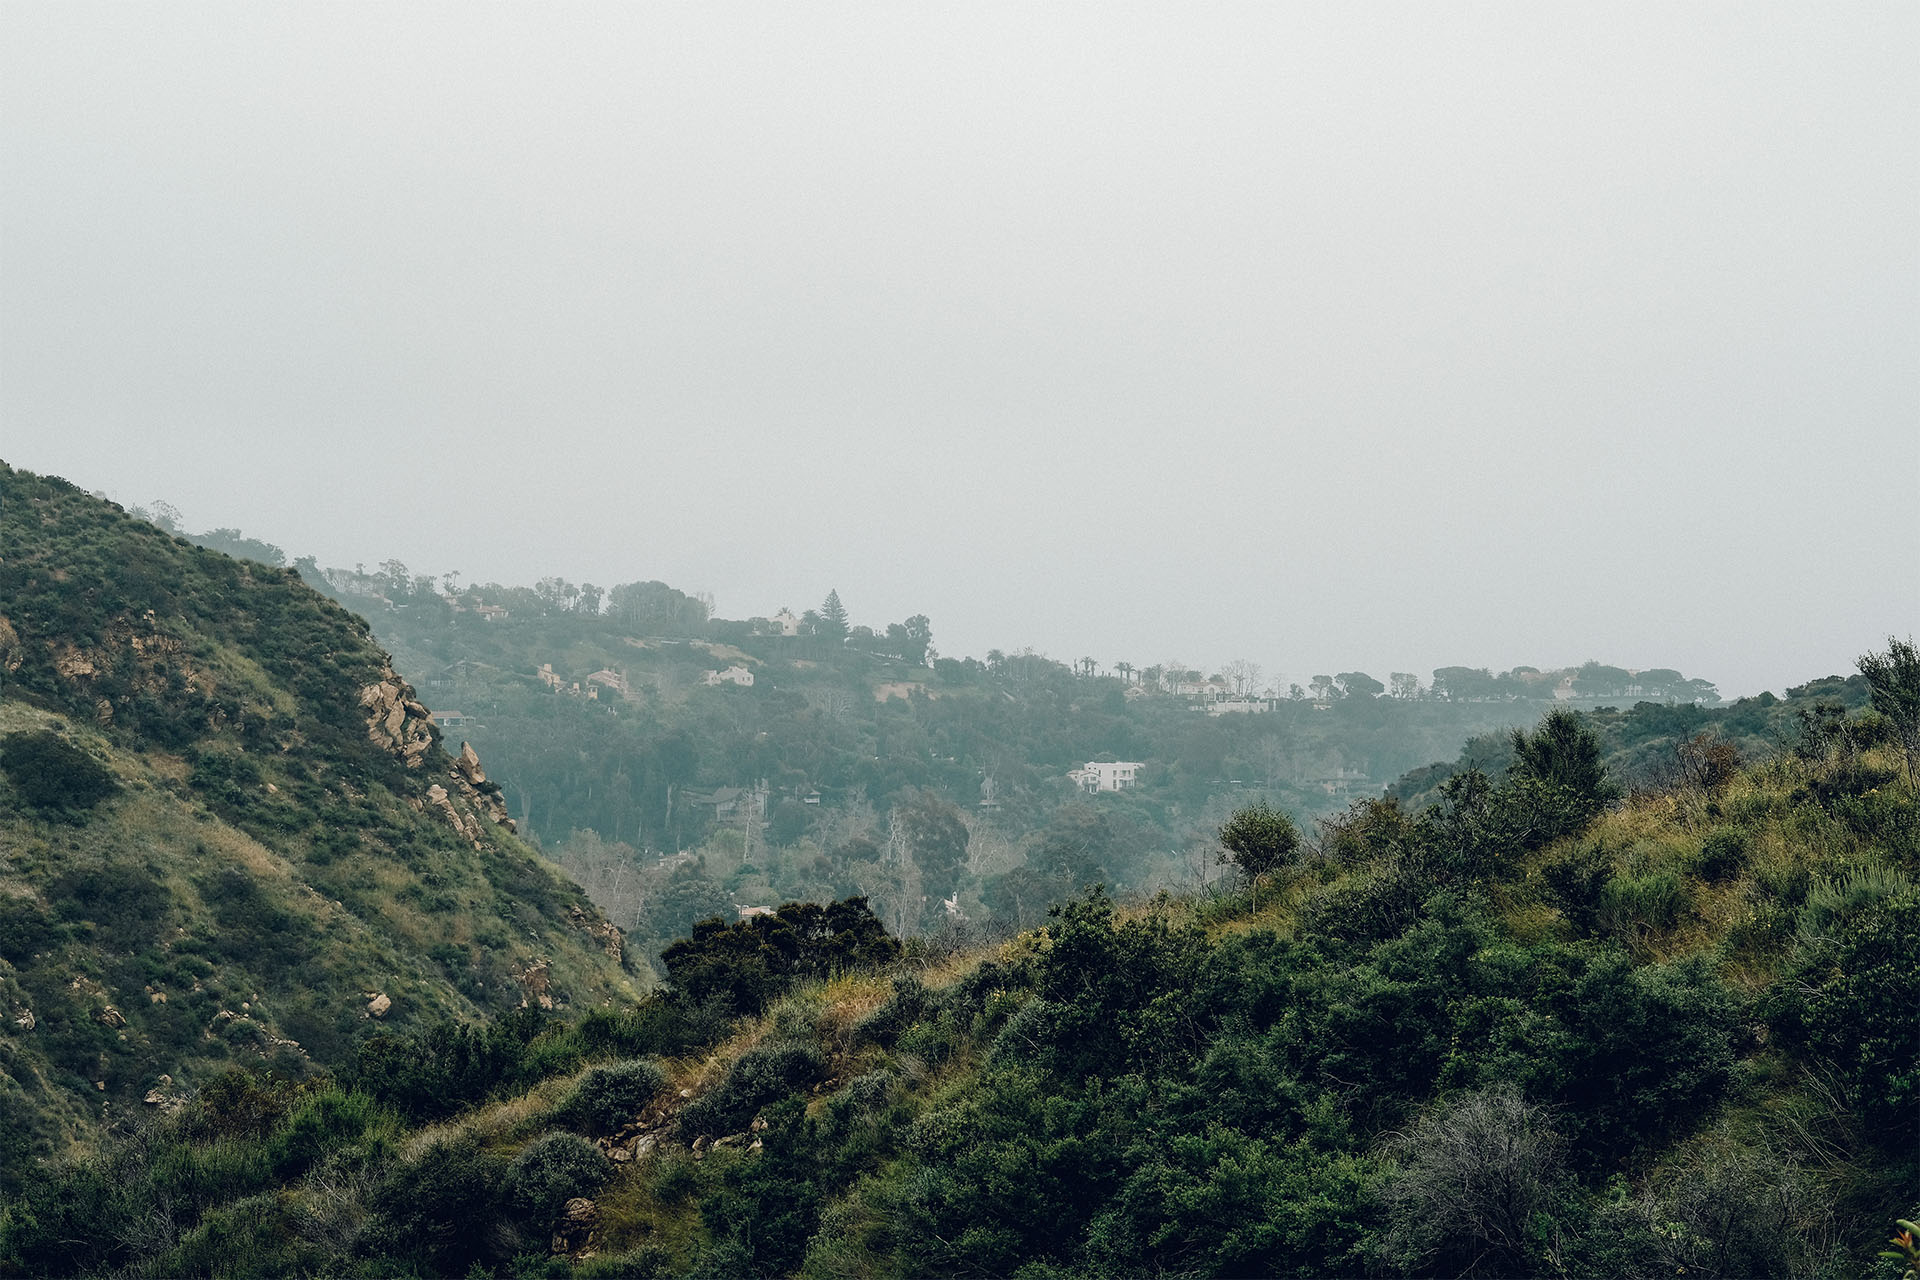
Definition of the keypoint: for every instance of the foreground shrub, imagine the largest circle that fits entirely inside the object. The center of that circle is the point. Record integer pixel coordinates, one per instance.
(760, 1076)
(551, 1171)
(1473, 1176)
(608, 1097)
(442, 1209)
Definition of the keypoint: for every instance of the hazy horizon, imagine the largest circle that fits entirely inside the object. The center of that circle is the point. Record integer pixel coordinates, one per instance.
(1379, 339)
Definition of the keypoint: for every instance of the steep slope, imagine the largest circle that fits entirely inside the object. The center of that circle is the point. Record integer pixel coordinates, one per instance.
(229, 832)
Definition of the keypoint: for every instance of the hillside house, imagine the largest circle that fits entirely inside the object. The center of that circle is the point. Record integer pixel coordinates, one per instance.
(1106, 775)
(609, 681)
(732, 675)
(450, 719)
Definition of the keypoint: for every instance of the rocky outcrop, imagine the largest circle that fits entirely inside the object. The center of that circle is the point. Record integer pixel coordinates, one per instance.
(464, 823)
(470, 780)
(594, 926)
(396, 721)
(574, 1231)
(403, 727)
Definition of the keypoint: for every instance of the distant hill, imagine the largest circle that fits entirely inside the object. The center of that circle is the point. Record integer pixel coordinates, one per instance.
(229, 832)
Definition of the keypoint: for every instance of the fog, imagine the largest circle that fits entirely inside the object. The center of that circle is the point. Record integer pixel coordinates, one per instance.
(1332, 337)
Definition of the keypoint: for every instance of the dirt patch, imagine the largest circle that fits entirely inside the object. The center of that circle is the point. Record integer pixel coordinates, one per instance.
(900, 689)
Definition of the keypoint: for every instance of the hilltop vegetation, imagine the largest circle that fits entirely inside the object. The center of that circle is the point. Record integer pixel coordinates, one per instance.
(229, 834)
(1534, 1028)
(859, 761)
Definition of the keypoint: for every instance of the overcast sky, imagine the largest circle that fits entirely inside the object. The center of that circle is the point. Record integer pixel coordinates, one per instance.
(1330, 336)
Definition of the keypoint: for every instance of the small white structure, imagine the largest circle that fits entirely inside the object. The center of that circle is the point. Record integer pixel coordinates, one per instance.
(732, 675)
(1107, 775)
(788, 621)
(1242, 705)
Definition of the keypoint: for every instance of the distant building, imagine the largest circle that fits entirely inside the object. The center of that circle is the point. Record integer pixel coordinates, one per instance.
(732, 675)
(1243, 705)
(450, 719)
(788, 621)
(748, 913)
(607, 679)
(1107, 775)
(491, 613)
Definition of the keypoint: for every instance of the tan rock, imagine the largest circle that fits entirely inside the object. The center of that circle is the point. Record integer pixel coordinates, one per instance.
(378, 1002)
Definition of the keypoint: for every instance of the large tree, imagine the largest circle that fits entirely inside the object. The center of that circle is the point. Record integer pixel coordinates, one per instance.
(833, 617)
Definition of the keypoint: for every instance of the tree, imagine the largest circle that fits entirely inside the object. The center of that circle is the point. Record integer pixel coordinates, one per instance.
(1244, 675)
(1322, 687)
(1564, 752)
(1596, 680)
(912, 640)
(1358, 684)
(833, 618)
(936, 839)
(1404, 684)
(1894, 678)
(1258, 840)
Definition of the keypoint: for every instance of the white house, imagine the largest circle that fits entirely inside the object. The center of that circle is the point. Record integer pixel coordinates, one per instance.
(732, 675)
(1107, 775)
(788, 621)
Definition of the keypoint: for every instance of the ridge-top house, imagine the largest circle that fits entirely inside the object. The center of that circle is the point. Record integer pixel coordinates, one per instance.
(732, 675)
(1107, 775)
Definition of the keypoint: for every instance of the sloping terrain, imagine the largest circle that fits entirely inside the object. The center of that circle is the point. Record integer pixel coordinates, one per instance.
(229, 833)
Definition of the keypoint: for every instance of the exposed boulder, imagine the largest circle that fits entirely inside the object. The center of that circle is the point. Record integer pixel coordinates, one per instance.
(594, 926)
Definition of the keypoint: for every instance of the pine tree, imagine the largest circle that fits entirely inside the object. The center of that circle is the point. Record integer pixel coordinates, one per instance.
(833, 617)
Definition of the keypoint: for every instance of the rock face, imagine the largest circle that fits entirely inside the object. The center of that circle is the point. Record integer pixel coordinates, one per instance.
(395, 719)
(471, 782)
(403, 727)
(378, 1003)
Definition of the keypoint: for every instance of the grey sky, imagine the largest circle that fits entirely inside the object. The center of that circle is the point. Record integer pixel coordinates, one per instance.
(1330, 336)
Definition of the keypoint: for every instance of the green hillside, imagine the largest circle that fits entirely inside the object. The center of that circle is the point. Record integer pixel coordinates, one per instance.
(229, 833)
(1536, 1028)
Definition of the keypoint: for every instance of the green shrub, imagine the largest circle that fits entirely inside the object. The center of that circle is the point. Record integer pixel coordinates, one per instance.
(54, 777)
(908, 1004)
(550, 1171)
(609, 1096)
(1635, 906)
(441, 1209)
(1576, 883)
(760, 1076)
(1723, 853)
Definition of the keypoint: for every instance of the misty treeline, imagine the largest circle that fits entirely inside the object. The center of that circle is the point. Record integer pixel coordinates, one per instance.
(861, 761)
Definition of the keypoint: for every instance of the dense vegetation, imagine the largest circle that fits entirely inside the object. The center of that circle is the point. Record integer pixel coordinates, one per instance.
(208, 856)
(1532, 1028)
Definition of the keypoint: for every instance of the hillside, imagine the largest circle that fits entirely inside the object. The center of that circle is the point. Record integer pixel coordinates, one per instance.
(1535, 1028)
(229, 833)
(858, 762)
